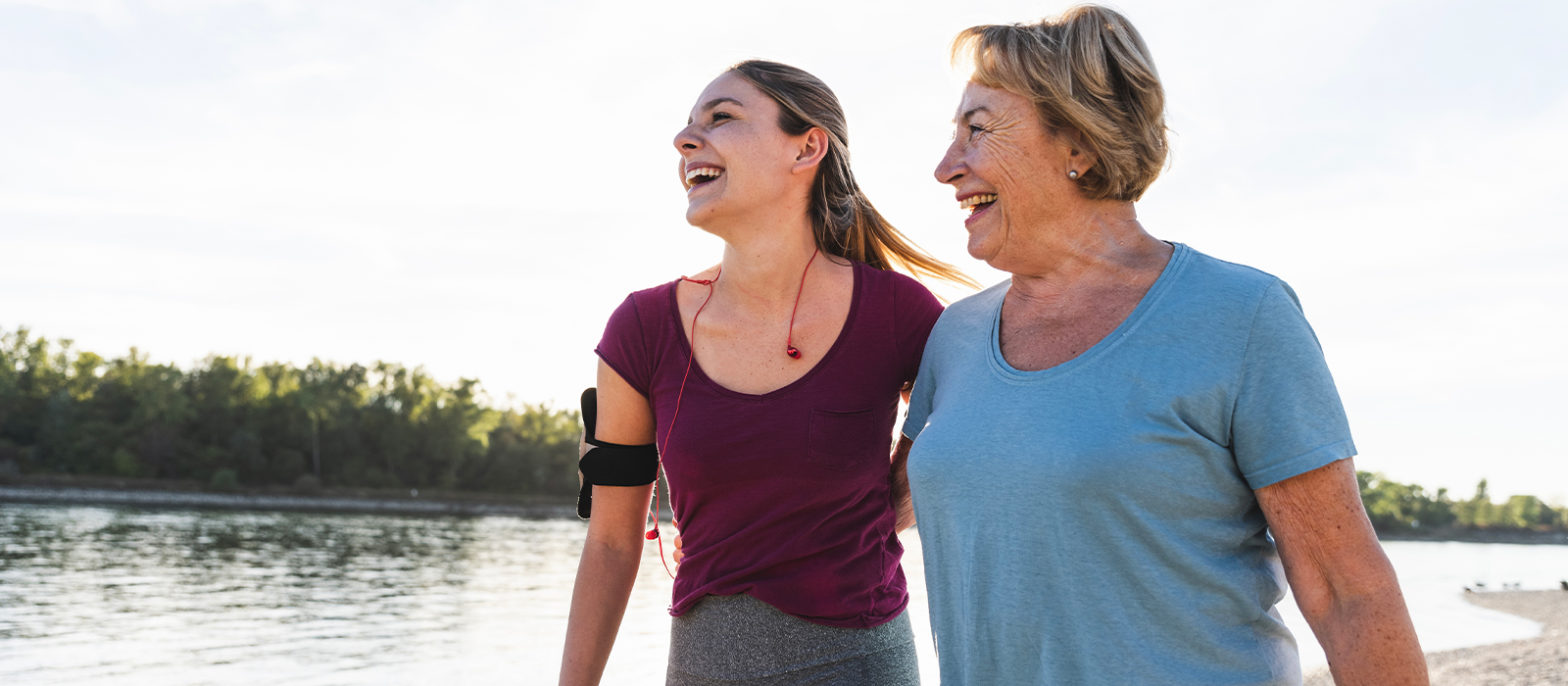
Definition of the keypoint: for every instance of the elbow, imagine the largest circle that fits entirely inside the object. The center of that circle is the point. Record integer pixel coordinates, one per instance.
(612, 555)
(1344, 593)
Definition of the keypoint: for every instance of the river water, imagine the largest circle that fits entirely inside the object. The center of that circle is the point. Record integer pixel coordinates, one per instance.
(93, 595)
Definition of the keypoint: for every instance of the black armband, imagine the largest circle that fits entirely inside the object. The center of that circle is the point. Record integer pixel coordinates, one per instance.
(611, 464)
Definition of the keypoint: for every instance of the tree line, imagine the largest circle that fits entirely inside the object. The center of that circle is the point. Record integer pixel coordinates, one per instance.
(230, 423)
(1404, 508)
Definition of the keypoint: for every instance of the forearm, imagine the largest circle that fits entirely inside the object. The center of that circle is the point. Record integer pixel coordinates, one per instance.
(1367, 634)
(903, 504)
(1342, 581)
(605, 576)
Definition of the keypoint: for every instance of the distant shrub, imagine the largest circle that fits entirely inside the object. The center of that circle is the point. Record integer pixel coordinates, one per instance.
(375, 478)
(307, 483)
(226, 480)
(10, 452)
(287, 465)
(125, 463)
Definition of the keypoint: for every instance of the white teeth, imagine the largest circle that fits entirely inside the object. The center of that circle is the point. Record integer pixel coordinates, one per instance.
(970, 202)
(692, 174)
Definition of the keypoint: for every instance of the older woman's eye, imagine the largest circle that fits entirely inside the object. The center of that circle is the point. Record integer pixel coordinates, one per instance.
(976, 130)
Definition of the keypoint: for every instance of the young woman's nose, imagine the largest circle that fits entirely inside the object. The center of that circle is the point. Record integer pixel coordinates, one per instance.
(686, 140)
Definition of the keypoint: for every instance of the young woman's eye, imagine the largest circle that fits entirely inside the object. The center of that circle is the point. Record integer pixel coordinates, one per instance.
(720, 116)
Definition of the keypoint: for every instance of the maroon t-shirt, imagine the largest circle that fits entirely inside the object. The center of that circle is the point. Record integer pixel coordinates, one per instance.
(785, 496)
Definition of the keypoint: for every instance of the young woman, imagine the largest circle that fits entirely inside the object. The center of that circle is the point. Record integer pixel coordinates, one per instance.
(766, 387)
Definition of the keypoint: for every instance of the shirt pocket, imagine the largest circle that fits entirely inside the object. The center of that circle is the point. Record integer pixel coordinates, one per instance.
(841, 440)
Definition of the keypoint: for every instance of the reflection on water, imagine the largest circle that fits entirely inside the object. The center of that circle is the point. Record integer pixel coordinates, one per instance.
(92, 595)
(121, 596)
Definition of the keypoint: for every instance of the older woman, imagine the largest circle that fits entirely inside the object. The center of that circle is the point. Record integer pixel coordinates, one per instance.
(1104, 444)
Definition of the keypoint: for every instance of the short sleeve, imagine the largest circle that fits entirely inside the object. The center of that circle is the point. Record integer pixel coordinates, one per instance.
(623, 346)
(924, 392)
(919, 403)
(915, 312)
(1288, 419)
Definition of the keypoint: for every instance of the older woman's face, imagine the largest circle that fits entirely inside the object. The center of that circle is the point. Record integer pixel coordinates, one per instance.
(1010, 171)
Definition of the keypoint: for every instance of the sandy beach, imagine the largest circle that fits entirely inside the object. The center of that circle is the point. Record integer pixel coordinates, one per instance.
(1536, 661)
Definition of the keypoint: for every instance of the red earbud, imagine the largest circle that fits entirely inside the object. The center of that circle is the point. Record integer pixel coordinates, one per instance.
(789, 339)
(652, 533)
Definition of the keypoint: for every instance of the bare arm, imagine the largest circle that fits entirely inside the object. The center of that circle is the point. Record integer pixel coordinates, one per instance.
(611, 554)
(903, 504)
(1341, 579)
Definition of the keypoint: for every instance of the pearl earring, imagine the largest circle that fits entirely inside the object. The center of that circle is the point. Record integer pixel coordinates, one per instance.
(1073, 174)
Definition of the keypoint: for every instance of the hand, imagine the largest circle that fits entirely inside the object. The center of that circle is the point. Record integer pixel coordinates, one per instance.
(582, 449)
(678, 552)
(590, 415)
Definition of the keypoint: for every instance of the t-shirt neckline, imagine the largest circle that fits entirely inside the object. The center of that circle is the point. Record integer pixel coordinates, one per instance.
(843, 333)
(1000, 365)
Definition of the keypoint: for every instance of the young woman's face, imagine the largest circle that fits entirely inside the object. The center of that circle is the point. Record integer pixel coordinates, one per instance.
(734, 157)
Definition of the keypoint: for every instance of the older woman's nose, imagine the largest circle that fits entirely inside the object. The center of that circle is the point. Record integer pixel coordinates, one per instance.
(949, 169)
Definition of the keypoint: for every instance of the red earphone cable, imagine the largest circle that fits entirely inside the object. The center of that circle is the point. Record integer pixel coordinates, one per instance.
(789, 338)
(653, 532)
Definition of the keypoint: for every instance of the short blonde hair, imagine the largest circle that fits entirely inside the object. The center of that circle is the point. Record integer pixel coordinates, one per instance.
(1087, 71)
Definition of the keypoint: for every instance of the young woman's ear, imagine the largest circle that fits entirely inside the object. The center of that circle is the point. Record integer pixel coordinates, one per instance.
(813, 147)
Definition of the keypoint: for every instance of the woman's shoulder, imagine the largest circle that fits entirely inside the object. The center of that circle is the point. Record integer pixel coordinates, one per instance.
(982, 304)
(642, 307)
(1219, 281)
(1211, 268)
(660, 291)
(1230, 296)
(901, 286)
(657, 295)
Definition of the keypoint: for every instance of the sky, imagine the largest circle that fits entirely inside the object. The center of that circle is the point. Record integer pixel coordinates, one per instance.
(473, 186)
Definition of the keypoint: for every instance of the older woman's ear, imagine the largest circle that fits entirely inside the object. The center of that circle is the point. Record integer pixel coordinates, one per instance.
(1080, 157)
(813, 148)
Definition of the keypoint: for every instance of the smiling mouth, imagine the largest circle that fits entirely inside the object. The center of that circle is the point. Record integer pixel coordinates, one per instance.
(701, 175)
(976, 203)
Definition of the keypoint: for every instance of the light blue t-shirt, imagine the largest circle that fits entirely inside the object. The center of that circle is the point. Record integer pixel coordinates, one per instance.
(1095, 523)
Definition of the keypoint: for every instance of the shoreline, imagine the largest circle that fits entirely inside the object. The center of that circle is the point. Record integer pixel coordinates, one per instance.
(326, 502)
(1539, 660)
(69, 490)
(1481, 536)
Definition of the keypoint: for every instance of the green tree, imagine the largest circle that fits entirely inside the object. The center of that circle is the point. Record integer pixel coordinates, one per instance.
(229, 423)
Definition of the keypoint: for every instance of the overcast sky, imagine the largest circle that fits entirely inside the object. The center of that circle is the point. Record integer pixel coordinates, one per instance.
(473, 186)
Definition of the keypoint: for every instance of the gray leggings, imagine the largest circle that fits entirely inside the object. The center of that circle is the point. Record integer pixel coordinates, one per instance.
(741, 641)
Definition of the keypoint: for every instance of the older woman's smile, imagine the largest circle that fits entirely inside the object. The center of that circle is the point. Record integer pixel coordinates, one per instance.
(976, 202)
